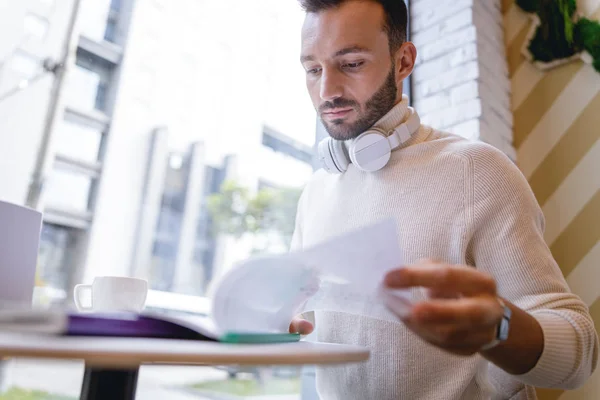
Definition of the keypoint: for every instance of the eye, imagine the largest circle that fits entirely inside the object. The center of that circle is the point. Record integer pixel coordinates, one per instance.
(353, 65)
(313, 71)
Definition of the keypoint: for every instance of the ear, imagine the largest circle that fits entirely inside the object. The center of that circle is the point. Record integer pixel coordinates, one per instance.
(405, 59)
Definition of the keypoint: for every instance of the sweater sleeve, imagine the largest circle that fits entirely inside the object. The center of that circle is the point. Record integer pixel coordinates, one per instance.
(507, 242)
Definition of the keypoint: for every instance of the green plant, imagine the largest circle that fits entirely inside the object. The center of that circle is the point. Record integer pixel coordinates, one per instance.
(16, 393)
(250, 387)
(560, 34)
(588, 32)
(235, 210)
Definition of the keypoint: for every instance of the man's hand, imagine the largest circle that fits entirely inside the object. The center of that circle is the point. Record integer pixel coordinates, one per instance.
(301, 326)
(463, 311)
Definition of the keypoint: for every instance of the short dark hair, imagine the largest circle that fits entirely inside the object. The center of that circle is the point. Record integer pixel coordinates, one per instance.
(396, 15)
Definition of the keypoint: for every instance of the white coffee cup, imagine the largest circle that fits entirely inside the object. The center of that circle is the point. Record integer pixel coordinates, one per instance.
(112, 294)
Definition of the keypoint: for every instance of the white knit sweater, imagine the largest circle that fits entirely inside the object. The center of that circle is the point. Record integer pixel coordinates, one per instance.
(464, 203)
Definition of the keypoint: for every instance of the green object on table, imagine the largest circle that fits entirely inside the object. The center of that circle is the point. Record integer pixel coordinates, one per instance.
(259, 338)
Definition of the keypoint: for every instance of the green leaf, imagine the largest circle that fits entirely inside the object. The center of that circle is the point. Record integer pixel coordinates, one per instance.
(553, 39)
(588, 34)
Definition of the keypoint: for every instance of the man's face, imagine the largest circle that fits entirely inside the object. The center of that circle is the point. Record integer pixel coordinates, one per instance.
(350, 73)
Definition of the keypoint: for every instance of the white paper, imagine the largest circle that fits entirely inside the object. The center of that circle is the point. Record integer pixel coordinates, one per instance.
(359, 258)
(351, 269)
(343, 274)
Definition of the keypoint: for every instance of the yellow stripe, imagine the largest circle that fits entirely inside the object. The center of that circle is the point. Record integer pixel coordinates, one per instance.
(584, 279)
(562, 206)
(514, 20)
(513, 51)
(525, 79)
(549, 394)
(578, 239)
(567, 153)
(558, 118)
(506, 5)
(539, 100)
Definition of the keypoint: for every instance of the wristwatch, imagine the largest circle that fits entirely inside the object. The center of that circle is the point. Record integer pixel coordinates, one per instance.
(502, 328)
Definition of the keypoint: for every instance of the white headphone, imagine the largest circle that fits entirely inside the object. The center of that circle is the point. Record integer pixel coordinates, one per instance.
(370, 151)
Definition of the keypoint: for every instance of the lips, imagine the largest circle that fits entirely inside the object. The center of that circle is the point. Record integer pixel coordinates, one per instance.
(337, 114)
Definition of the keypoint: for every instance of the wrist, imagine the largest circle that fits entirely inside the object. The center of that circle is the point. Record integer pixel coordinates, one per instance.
(523, 348)
(502, 328)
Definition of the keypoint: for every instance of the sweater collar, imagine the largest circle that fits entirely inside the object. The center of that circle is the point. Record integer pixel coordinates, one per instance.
(392, 119)
(397, 115)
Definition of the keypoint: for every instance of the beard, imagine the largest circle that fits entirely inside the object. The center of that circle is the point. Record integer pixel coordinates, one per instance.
(375, 108)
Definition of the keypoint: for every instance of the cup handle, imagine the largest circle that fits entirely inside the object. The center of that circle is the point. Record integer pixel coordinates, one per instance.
(77, 296)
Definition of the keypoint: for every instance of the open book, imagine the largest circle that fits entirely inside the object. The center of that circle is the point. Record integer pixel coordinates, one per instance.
(256, 300)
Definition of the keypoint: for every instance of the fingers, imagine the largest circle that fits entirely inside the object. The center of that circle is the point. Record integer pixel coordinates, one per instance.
(461, 326)
(463, 311)
(443, 294)
(453, 338)
(301, 326)
(442, 278)
(468, 311)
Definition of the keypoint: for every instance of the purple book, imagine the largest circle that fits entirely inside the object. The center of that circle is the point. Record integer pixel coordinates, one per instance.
(139, 325)
(120, 324)
(134, 325)
(146, 325)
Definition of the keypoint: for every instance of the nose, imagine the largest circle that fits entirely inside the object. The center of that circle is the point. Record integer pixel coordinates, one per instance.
(331, 87)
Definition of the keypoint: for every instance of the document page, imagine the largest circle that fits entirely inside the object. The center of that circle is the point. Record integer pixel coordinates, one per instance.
(351, 268)
(343, 274)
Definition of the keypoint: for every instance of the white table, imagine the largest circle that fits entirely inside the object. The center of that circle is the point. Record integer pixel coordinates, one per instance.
(112, 364)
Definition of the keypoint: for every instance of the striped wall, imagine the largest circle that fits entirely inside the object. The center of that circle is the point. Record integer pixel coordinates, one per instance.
(556, 134)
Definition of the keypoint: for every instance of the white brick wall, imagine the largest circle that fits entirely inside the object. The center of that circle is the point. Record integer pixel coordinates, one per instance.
(460, 82)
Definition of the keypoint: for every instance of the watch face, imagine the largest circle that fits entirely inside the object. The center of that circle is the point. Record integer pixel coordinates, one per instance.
(503, 334)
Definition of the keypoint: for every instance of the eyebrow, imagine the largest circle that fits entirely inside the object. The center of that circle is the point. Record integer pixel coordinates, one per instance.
(342, 52)
(350, 50)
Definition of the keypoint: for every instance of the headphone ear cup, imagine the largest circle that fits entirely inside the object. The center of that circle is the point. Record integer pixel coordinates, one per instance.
(370, 151)
(332, 156)
(326, 157)
(339, 155)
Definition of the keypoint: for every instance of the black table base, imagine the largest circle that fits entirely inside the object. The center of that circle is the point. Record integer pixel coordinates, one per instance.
(109, 384)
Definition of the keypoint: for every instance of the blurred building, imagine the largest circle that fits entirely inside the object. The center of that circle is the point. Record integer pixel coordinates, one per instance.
(160, 104)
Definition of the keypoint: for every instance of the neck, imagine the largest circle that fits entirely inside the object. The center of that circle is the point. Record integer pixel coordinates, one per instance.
(394, 117)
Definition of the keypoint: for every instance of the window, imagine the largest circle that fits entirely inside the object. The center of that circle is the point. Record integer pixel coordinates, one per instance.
(101, 20)
(69, 190)
(112, 22)
(161, 148)
(88, 83)
(78, 141)
(57, 249)
(110, 34)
